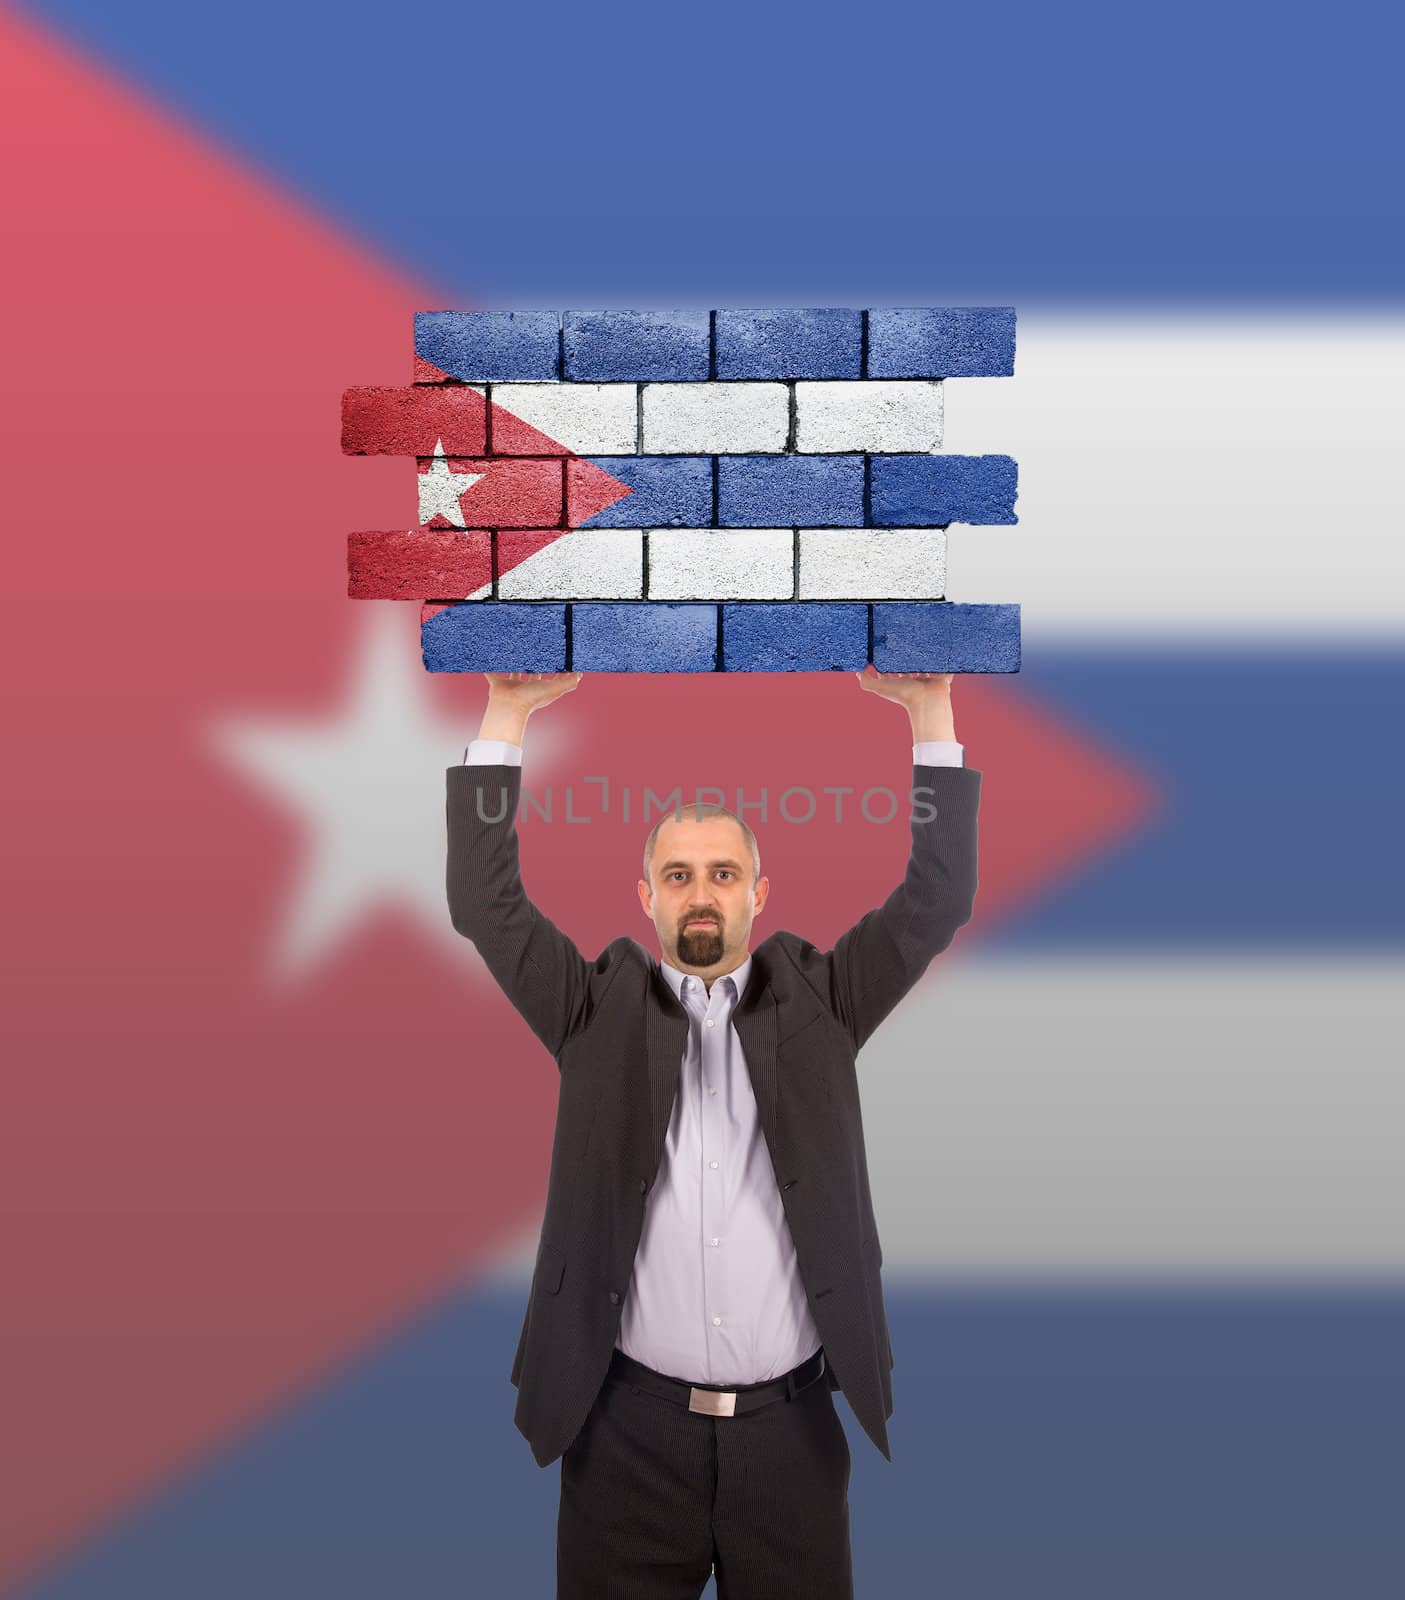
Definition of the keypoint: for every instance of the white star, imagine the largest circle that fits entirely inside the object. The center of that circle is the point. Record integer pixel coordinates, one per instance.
(440, 489)
(366, 787)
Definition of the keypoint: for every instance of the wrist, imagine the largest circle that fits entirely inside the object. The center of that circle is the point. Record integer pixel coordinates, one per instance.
(503, 722)
(933, 721)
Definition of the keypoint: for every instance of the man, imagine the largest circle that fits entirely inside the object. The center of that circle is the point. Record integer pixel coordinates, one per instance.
(709, 1265)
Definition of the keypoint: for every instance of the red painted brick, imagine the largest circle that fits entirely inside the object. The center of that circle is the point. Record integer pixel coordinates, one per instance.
(589, 489)
(511, 494)
(410, 564)
(411, 422)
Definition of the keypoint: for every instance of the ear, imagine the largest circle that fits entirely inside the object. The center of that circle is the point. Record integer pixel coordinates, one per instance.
(763, 888)
(646, 899)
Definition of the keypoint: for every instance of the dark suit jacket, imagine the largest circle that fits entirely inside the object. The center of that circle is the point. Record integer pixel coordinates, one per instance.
(618, 1034)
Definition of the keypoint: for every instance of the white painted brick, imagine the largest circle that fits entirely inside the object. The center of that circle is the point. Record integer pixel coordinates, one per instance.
(872, 563)
(583, 564)
(878, 415)
(589, 419)
(704, 419)
(721, 563)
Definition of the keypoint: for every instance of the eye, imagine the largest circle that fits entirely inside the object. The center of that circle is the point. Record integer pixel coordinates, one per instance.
(725, 871)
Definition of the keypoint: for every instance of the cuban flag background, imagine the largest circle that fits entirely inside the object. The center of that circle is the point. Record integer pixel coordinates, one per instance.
(273, 1149)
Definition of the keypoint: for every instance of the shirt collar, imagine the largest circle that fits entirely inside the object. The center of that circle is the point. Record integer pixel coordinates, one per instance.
(675, 978)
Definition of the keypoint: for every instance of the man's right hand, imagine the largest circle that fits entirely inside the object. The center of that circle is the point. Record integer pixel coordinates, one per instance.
(513, 696)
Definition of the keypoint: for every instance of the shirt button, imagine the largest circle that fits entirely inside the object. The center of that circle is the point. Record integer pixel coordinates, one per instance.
(712, 1163)
(614, 1297)
(715, 1241)
(712, 1091)
(717, 1322)
(711, 1023)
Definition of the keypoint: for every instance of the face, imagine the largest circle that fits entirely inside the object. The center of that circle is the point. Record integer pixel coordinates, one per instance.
(701, 896)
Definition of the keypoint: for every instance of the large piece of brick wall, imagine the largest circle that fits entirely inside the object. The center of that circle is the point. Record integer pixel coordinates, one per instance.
(688, 491)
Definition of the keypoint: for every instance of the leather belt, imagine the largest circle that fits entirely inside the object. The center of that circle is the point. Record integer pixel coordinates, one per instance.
(711, 1399)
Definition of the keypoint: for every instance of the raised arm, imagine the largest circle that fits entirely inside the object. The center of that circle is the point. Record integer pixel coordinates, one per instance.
(536, 965)
(877, 961)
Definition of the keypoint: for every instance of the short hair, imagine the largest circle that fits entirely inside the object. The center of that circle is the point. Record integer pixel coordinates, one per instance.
(701, 810)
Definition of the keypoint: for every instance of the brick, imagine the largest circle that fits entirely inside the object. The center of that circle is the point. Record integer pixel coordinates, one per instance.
(872, 563)
(942, 637)
(564, 418)
(924, 491)
(874, 416)
(786, 343)
(414, 563)
(721, 563)
(636, 346)
(790, 491)
(493, 636)
(510, 493)
(794, 638)
(412, 421)
(945, 342)
(715, 418)
(665, 491)
(643, 637)
(490, 346)
(592, 563)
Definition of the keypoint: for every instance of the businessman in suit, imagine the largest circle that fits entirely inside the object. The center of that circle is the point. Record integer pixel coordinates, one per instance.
(708, 1270)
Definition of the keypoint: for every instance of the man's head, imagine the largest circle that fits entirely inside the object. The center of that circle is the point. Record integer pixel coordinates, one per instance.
(702, 886)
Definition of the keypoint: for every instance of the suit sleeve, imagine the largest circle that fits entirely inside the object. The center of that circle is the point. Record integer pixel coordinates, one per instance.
(535, 964)
(876, 962)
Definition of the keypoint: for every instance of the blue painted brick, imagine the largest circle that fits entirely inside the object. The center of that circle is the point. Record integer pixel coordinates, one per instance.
(790, 491)
(488, 346)
(495, 636)
(636, 346)
(926, 491)
(825, 343)
(912, 636)
(669, 492)
(809, 637)
(643, 636)
(952, 342)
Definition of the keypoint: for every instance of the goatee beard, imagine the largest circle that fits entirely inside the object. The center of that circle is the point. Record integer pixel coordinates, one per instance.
(700, 947)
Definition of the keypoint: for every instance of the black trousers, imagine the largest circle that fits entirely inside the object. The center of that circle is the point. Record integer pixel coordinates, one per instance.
(654, 1496)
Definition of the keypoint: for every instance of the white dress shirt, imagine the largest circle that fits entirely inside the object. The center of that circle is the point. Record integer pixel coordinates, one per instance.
(715, 1295)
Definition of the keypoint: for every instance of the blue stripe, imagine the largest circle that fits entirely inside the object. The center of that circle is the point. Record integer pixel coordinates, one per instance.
(1083, 152)
(1232, 1442)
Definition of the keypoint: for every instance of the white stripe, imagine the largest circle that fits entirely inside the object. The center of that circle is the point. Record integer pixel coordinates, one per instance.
(721, 563)
(585, 418)
(1192, 475)
(883, 415)
(872, 563)
(715, 418)
(1157, 1118)
(584, 564)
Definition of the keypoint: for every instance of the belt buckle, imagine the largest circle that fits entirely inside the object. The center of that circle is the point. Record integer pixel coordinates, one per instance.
(713, 1402)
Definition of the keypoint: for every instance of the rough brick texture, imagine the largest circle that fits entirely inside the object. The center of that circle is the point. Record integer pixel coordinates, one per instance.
(788, 343)
(643, 638)
(721, 564)
(493, 636)
(872, 564)
(715, 418)
(592, 563)
(665, 491)
(883, 416)
(794, 638)
(510, 493)
(492, 346)
(408, 565)
(564, 418)
(630, 346)
(790, 491)
(924, 491)
(913, 637)
(946, 342)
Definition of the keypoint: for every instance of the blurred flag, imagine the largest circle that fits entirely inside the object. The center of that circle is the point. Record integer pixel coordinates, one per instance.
(273, 1149)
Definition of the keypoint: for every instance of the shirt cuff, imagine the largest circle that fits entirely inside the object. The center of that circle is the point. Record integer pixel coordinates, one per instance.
(492, 752)
(938, 753)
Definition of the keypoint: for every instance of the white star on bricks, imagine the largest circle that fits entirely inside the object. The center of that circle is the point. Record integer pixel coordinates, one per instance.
(362, 786)
(440, 489)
